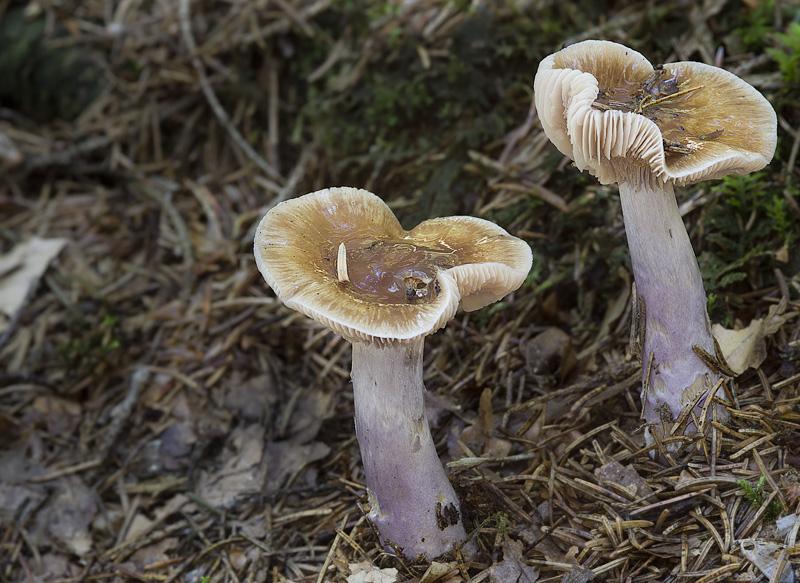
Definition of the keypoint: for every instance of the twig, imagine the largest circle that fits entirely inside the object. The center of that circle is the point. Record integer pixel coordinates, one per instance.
(473, 462)
(649, 507)
(296, 16)
(68, 155)
(284, 24)
(175, 217)
(123, 412)
(644, 105)
(334, 546)
(66, 471)
(211, 97)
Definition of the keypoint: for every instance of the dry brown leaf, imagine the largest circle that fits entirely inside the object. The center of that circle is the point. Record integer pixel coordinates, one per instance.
(548, 351)
(627, 477)
(142, 526)
(284, 459)
(746, 348)
(59, 415)
(438, 571)
(16, 498)
(241, 474)
(307, 417)
(513, 569)
(157, 552)
(67, 516)
(475, 438)
(175, 446)
(254, 399)
(53, 566)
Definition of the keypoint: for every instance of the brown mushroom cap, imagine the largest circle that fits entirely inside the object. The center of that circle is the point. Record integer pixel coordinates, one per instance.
(401, 284)
(600, 101)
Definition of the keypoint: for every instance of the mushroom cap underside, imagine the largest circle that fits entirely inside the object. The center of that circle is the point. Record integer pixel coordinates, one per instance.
(396, 284)
(601, 103)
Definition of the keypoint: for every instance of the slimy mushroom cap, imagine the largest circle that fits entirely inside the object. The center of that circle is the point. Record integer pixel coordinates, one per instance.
(600, 102)
(399, 284)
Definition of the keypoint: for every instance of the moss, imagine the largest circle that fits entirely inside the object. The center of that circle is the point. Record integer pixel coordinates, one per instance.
(416, 98)
(41, 81)
(92, 343)
(756, 496)
(745, 228)
(787, 56)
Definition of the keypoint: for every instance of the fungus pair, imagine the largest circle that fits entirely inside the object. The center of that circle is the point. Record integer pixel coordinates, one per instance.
(647, 129)
(341, 257)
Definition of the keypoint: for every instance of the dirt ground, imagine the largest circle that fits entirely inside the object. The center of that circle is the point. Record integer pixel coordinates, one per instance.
(163, 417)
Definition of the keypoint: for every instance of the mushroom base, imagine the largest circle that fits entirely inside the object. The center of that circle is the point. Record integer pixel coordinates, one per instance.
(672, 320)
(412, 503)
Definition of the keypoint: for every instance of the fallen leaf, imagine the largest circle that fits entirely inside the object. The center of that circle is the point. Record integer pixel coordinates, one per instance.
(158, 552)
(21, 269)
(308, 415)
(141, 525)
(543, 543)
(513, 569)
(475, 438)
(747, 348)
(241, 474)
(255, 527)
(284, 459)
(548, 351)
(578, 575)
(254, 399)
(785, 525)
(53, 566)
(366, 572)
(627, 477)
(764, 555)
(15, 498)
(67, 515)
(175, 446)
(437, 571)
(60, 415)
(18, 497)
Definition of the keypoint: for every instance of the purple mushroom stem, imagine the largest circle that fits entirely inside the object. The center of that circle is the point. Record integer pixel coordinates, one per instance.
(411, 500)
(673, 324)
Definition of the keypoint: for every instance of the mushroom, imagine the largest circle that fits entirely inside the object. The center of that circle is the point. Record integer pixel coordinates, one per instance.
(340, 256)
(649, 128)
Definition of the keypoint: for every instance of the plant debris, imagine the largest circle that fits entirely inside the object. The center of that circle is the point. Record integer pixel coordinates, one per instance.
(164, 418)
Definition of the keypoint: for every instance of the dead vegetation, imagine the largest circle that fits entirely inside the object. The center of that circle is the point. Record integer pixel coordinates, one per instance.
(163, 418)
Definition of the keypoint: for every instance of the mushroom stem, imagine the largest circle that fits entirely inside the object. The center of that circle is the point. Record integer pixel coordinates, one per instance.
(412, 503)
(669, 285)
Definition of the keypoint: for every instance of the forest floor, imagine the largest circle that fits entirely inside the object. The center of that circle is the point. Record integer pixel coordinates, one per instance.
(163, 417)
